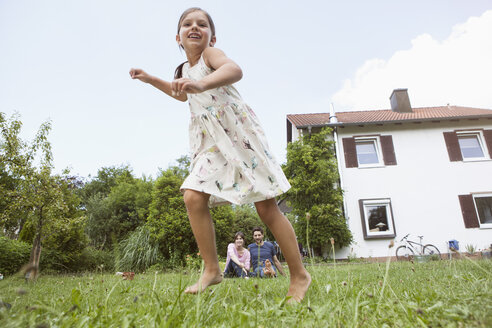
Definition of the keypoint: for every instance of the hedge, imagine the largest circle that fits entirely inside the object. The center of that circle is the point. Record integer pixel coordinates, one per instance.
(14, 254)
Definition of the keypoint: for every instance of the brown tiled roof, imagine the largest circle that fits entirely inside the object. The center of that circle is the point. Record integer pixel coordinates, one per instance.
(388, 116)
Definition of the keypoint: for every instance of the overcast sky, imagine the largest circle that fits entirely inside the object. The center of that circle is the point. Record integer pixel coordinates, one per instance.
(68, 62)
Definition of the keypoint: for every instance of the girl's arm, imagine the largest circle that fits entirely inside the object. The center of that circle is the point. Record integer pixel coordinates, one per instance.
(226, 72)
(164, 86)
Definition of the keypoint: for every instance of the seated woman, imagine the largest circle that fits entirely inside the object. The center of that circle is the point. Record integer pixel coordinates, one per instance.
(238, 257)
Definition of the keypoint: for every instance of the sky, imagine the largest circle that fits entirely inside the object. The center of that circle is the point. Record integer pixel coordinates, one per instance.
(68, 62)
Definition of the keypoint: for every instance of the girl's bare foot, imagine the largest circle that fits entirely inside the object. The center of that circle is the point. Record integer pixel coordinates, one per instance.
(298, 287)
(207, 279)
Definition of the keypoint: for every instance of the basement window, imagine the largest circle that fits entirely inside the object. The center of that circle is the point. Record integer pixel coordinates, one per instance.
(377, 218)
(483, 205)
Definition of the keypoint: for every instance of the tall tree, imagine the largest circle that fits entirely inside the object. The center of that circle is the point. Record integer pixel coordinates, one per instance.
(312, 171)
(168, 221)
(33, 193)
(245, 220)
(116, 203)
(101, 184)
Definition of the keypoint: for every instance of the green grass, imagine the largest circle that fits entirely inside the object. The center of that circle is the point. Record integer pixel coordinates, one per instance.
(454, 293)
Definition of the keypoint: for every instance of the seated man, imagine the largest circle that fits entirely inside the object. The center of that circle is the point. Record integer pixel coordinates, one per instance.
(261, 251)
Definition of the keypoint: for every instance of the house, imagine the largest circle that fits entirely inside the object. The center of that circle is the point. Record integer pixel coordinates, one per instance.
(419, 171)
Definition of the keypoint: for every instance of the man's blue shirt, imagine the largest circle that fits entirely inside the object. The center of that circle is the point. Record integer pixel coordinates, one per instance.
(267, 251)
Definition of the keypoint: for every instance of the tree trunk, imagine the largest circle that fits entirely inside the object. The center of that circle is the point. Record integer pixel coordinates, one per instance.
(32, 270)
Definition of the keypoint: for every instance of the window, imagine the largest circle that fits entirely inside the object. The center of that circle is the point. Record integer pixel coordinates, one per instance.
(483, 205)
(369, 151)
(377, 218)
(471, 145)
(476, 210)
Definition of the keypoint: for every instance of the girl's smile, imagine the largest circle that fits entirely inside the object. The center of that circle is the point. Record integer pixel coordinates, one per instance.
(195, 33)
(239, 242)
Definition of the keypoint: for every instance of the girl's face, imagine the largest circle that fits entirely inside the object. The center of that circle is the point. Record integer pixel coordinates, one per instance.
(195, 32)
(239, 241)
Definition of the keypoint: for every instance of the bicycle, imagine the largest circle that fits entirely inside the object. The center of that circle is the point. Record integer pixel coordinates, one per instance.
(407, 252)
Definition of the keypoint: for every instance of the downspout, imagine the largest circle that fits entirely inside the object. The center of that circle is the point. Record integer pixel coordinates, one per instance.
(334, 119)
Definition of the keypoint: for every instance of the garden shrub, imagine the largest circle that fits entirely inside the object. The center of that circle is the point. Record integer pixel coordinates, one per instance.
(13, 255)
(92, 259)
(138, 252)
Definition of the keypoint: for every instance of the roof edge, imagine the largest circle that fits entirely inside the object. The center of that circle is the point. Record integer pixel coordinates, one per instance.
(395, 121)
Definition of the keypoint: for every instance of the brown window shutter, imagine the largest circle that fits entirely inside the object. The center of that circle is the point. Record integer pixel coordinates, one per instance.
(350, 152)
(363, 217)
(468, 210)
(453, 146)
(388, 150)
(289, 131)
(487, 134)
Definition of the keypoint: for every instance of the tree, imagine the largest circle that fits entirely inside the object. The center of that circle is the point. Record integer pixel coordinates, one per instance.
(35, 197)
(245, 219)
(223, 218)
(168, 220)
(107, 178)
(312, 171)
(116, 203)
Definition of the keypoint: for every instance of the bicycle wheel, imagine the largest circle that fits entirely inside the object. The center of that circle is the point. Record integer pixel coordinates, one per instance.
(404, 253)
(432, 252)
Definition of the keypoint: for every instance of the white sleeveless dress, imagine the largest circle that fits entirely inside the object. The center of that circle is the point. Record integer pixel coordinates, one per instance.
(230, 157)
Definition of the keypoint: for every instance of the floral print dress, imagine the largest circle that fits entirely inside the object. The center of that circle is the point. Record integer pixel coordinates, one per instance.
(230, 157)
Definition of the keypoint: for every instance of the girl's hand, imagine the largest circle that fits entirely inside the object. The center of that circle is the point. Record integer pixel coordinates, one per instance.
(140, 74)
(184, 85)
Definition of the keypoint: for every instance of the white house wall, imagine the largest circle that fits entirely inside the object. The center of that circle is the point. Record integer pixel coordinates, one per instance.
(295, 133)
(423, 188)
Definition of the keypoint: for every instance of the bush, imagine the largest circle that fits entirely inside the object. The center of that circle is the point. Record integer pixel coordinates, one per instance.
(138, 252)
(92, 259)
(89, 259)
(13, 255)
(54, 261)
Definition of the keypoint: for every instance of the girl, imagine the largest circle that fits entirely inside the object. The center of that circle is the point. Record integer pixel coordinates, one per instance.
(238, 258)
(231, 161)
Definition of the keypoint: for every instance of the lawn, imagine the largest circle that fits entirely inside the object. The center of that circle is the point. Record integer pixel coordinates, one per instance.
(455, 293)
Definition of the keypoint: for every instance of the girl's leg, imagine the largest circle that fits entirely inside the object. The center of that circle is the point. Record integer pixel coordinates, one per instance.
(281, 228)
(203, 230)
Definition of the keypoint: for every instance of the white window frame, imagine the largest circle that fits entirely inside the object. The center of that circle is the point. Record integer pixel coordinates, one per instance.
(479, 135)
(377, 146)
(481, 195)
(391, 232)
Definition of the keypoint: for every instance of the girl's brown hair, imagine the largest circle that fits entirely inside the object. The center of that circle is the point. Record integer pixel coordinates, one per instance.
(239, 234)
(178, 73)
